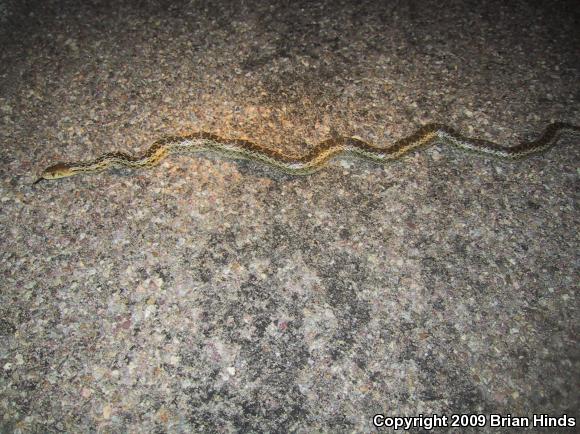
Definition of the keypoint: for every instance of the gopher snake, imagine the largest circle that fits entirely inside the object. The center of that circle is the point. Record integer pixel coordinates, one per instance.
(318, 157)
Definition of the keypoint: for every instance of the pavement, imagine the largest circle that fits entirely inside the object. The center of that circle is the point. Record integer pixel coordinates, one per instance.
(214, 295)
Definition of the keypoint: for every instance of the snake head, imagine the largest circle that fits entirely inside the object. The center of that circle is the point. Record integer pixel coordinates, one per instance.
(56, 171)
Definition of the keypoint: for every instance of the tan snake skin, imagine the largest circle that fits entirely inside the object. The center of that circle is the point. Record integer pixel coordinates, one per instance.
(318, 157)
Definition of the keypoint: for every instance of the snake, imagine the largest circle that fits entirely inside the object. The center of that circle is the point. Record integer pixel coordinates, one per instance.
(318, 157)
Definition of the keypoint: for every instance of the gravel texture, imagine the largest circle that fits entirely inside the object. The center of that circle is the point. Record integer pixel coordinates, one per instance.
(214, 295)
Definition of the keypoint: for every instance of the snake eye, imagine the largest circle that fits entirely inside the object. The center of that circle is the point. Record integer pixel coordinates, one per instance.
(58, 167)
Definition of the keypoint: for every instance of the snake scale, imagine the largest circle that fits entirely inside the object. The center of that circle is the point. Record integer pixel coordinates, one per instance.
(317, 158)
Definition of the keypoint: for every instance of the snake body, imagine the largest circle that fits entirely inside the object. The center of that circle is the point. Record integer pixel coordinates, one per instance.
(317, 158)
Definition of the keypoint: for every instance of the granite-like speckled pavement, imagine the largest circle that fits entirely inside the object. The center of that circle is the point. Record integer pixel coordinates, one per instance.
(214, 295)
